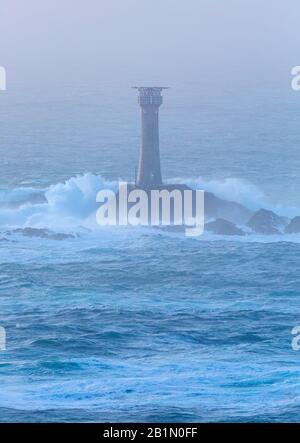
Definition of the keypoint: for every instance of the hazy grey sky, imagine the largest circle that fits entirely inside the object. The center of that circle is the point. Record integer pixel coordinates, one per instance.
(150, 41)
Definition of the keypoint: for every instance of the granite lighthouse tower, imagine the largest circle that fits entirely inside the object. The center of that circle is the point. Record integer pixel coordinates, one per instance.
(148, 175)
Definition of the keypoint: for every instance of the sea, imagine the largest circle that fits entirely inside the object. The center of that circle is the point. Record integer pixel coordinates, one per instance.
(122, 323)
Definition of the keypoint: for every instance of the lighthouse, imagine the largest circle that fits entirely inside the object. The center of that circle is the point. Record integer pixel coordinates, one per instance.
(150, 201)
(148, 174)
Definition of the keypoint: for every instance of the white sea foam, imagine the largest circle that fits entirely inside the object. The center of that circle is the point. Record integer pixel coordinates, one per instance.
(66, 205)
(71, 206)
(240, 191)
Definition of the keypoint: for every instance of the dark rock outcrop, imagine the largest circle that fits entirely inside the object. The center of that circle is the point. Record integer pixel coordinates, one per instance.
(294, 226)
(223, 227)
(216, 207)
(267, 222)
(41, 233)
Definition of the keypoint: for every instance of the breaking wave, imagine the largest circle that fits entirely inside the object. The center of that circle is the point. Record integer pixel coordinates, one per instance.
(240, 191)
(62, 206)
(70, 207)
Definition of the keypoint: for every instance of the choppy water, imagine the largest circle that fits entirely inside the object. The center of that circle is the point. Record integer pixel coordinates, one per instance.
(137, 324)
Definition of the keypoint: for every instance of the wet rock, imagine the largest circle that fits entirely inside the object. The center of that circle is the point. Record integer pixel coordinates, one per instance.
(294, 226)
(223, 227)
(267, 222)
(42, 233)
(214, 207)
(218, 208)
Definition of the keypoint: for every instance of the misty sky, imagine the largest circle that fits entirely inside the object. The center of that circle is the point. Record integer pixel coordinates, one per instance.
(150, 41)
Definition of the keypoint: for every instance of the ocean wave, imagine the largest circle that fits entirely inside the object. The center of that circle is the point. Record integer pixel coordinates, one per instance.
(70, 207)
(14, 198)
(60, 207)
(240, 191)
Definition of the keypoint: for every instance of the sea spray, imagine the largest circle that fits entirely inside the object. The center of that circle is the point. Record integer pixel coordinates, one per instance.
(71, 206)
